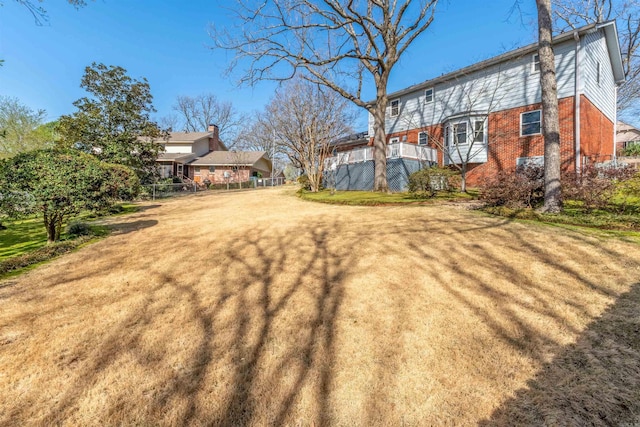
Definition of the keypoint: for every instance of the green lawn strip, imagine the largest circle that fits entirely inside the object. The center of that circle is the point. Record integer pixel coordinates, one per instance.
(625, 226)
(371, 198)
(24, 242)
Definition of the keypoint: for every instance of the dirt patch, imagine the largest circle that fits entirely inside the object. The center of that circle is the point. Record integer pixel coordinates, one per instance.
(262, 309)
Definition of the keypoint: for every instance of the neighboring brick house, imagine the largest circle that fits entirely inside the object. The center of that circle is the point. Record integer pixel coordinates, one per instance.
(488, 115)
(200, 156)
(181, 148)
(626, 135)
(219, 167)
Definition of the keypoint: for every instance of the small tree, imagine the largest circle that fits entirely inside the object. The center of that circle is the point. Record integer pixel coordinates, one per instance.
(21, 128)
(60, 183)
(304, 118)
(110, 124)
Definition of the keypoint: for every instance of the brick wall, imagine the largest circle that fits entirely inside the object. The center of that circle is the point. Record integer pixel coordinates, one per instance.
(596, 133)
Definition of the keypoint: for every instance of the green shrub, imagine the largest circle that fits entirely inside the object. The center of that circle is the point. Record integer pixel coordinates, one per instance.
(425, 183)
(632, 150)
(304, 182)
(79, 228)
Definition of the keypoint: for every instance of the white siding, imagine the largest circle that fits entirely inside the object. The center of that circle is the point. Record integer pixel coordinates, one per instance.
(602, 95)
(177, 148)
(500, 87)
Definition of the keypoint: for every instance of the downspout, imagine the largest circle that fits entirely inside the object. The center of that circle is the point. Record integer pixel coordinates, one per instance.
(578, 87)
(615, 127)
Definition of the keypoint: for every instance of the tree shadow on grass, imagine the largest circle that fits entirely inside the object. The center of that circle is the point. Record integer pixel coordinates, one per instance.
(595, 381)
(130, 227)
(244, 327)
(249, 333)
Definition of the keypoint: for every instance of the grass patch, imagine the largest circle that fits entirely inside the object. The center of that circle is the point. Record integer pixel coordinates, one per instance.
(14, 264)
(619, 224)
(24, 242)
(372, 198)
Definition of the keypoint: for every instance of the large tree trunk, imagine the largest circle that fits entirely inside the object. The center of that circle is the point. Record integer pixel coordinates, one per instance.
(380, 143)
(550, 119)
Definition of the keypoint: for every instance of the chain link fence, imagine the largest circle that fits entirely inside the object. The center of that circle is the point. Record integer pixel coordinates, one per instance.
(164, 190)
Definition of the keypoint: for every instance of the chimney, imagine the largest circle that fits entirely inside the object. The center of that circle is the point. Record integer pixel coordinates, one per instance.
(214, 140)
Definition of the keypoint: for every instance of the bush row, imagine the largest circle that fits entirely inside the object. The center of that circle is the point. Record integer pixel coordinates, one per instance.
(594, 187)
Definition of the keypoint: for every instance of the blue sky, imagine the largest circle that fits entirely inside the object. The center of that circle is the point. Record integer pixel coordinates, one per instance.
(168, 43)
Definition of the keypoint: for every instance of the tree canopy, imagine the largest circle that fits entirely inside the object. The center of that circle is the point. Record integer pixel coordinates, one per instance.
(22, 128)
(59, 183)
(111, 123)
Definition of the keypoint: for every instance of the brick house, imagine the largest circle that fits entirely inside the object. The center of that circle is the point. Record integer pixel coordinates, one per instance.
(488, 115)
(219, 167)
(181, 148)
(200, 156)
(627, 136)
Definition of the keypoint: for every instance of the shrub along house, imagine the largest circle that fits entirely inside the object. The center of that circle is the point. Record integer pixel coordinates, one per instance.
(488, 115)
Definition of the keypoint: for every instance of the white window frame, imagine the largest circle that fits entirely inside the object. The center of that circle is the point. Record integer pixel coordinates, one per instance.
(453, 132)
(484, 130)
(394, 140)
(426, 138)
(521, 127)
(433, 95)
(196, 170)
(397, 113)
(535, 62)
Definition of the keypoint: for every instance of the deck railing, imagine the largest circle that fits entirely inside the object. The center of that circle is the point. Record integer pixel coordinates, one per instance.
(399, 150)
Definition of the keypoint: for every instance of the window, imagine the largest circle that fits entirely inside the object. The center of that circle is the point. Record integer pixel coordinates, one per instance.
(196, 170)
(428, 94)
(395, 107)
(530, 123)
(394, 140)
(530, 161)
(478, 131)
(212, 168)
(460, 133)
(423, 138)
(535, 63)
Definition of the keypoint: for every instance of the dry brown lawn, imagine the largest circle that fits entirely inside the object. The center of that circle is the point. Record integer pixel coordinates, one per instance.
(258, 309)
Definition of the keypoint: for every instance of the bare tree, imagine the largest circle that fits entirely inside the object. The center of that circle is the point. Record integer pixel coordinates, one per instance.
(305, 118)
(570, 14)
(341, 45)
(239, 164)
(550, 117)
(196, 113)
(255, 136)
